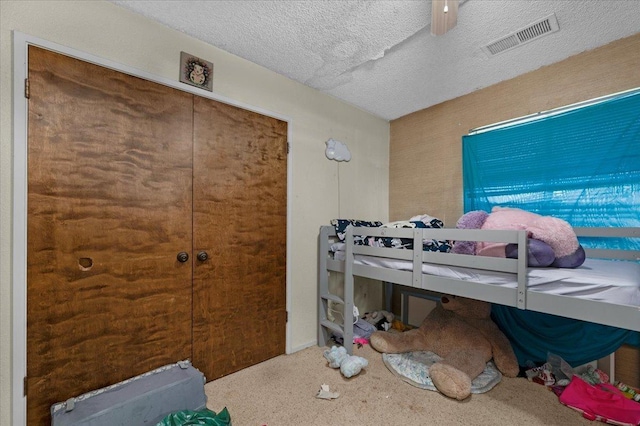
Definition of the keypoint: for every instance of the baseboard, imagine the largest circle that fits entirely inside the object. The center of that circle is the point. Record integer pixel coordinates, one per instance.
(303, 346)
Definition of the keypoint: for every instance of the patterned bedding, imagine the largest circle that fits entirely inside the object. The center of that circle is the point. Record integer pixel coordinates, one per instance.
(422, 221)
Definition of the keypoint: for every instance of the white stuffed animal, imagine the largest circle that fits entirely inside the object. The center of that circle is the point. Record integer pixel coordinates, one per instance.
(350, 365)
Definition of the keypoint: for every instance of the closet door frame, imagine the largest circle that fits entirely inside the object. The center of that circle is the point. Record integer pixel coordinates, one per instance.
(21, 43)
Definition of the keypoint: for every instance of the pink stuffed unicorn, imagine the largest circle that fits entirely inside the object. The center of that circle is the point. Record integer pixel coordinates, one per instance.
(552, 241)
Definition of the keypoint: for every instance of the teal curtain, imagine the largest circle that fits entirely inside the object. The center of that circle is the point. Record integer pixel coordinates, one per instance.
(581, 164)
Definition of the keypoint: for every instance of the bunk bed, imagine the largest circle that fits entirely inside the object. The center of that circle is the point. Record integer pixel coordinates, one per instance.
(604, 290)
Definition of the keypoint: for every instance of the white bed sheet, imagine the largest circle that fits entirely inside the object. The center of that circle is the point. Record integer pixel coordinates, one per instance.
(603, 280)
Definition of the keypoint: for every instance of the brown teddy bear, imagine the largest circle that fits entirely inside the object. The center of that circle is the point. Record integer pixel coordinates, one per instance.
(460, 331)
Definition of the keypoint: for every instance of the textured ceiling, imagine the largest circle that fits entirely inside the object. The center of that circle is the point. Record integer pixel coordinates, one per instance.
(379, 55)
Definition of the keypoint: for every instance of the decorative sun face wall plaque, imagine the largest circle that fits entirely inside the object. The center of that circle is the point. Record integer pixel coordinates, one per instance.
(196, 72)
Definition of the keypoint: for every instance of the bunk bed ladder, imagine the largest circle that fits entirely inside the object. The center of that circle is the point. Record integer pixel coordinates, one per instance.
(348, 312)
(326, 325)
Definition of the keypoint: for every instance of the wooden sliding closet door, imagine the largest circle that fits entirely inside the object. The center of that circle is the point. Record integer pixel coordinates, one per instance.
(240, 216)
(109, 208)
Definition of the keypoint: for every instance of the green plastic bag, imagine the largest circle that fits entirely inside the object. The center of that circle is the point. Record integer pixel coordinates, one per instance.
(202, 417)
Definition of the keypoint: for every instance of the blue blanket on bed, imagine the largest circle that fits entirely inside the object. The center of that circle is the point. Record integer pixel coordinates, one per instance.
(533, 335)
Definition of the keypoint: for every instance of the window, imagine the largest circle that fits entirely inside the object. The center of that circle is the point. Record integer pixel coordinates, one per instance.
(580, 163)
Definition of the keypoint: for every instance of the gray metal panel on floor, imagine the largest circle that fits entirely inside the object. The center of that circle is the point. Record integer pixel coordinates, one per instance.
(144, 399)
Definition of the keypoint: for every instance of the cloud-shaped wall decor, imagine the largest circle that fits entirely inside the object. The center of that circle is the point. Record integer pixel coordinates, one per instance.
(337, 150)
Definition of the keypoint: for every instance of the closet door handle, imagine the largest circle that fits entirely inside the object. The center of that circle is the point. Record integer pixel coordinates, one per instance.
(183, 256)
(202, 256)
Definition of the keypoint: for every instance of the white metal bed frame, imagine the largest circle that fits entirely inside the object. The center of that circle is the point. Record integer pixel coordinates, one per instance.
(612, 314)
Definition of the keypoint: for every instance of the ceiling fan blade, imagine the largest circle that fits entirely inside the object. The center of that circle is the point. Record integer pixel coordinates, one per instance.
(441, 20)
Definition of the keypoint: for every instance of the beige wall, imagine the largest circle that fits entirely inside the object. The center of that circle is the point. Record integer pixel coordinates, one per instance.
(105, 30)
(425, 165)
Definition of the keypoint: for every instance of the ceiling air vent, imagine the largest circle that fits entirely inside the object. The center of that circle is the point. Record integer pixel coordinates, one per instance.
(524, 35)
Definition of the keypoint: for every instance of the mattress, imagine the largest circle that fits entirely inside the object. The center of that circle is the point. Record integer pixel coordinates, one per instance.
(602, 280)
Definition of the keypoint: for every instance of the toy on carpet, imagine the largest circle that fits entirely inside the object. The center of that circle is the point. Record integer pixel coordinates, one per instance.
(350, 365)
(398, 325)
(552, 241)
(381, 320)
(461, 332)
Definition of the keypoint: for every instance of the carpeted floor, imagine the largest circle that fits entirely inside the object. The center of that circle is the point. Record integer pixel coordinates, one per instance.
(282, 392)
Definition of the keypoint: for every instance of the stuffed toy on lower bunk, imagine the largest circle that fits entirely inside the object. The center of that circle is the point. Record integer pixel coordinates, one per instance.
(552, 241)
(461, 332)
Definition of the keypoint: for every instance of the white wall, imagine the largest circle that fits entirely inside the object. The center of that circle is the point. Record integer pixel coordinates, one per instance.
(108, 31)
